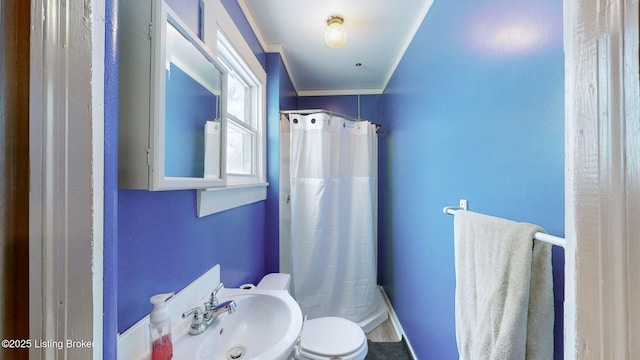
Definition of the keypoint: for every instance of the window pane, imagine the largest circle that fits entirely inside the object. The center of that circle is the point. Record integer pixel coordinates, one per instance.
(239, 150)
(237, 98)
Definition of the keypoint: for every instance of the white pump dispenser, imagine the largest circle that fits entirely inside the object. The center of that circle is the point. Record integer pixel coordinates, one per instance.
(160, 328)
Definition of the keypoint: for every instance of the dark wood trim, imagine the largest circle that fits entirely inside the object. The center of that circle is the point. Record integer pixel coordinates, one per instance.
(14, 173)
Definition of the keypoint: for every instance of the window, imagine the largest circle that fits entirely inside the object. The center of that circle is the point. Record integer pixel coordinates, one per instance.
(246, 115)
(244, 128)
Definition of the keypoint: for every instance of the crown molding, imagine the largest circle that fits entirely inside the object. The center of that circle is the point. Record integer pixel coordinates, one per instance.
(407, 41)
(247, 13)
(340, 92)
(269, 48)
(278, 48)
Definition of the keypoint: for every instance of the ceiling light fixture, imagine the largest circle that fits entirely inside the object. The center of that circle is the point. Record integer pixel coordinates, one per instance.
(335, 35)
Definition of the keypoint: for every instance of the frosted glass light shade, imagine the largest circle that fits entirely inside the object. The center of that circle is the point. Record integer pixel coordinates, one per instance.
(335, 35)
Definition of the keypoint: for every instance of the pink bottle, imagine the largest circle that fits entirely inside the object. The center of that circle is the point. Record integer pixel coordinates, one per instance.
(160, 328)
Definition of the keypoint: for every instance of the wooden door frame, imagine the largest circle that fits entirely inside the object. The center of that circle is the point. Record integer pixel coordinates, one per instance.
(602, 267)
(66, 135)
(602, 171)
(14, 172)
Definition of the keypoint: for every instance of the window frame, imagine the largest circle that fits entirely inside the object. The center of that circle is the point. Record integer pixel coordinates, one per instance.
(241, 189)
(237, 67)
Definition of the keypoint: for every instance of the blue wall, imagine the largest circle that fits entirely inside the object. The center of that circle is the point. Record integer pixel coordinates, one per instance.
(163, 246)
(233, 9)
(280, 95)
(461, 118)
(370, 105)
(475, 111)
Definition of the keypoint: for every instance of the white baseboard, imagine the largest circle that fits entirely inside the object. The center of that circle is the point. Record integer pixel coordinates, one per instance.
(397, 326)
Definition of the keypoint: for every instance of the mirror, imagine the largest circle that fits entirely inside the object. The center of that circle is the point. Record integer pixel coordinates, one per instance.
(193, 86)
(172, 120)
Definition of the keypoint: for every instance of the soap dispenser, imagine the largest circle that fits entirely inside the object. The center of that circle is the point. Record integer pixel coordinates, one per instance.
(160, 328)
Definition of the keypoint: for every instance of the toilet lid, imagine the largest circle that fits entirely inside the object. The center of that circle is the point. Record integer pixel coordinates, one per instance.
(331, 336)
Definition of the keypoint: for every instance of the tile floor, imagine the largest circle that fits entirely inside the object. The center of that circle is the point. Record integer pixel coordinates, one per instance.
(385, 332)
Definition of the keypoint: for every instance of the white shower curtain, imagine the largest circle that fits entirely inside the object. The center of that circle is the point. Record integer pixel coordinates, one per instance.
(334, 180)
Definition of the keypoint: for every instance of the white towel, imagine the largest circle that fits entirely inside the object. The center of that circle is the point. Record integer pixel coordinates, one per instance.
(504, 289)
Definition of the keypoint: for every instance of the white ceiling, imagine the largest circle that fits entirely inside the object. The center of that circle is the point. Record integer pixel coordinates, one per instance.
(378, 33)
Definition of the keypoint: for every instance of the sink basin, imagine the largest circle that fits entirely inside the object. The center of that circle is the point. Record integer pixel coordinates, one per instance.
(265, 326)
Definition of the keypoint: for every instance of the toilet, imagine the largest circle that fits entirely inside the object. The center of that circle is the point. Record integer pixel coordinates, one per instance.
(325, 338)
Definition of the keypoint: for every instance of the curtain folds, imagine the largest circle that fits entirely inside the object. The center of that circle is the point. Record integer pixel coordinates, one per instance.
(334, 181)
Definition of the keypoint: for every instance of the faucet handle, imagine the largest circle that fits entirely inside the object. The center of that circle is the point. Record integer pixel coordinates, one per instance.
(198, 315)
(231, 307)
(198, 324)
(213, 299)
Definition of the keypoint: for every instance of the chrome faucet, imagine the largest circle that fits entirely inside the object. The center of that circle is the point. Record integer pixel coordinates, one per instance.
(213, 299)
(203, 319)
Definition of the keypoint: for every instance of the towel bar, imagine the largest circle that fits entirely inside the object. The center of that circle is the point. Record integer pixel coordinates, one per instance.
(553, 240)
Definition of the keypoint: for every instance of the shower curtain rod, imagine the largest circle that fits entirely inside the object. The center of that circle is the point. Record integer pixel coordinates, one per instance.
(553, 240)
(313, 111)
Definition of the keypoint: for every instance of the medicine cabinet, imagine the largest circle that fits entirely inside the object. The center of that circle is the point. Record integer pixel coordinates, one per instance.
(172, 103)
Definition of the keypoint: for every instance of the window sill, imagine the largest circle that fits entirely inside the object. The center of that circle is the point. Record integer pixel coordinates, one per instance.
(215, 200)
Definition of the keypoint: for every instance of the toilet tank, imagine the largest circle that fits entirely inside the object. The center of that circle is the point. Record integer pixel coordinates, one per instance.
(275, 281)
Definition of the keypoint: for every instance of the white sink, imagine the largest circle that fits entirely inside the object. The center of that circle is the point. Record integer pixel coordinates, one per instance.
(265, 326)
